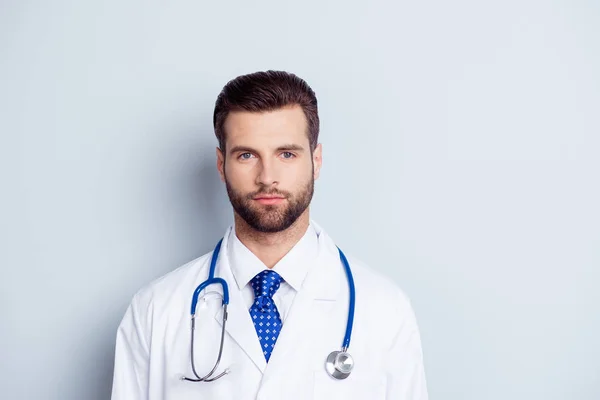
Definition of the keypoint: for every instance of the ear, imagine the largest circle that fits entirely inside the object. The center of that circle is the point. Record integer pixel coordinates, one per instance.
(221, 164)
(317, 161)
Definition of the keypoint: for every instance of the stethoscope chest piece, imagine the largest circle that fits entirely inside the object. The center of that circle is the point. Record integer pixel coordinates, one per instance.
(339, 364)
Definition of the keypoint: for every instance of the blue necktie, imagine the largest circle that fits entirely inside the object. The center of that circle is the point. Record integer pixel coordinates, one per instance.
(263, 311)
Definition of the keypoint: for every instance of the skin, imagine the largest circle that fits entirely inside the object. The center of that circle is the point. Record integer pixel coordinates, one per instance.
(268, 153)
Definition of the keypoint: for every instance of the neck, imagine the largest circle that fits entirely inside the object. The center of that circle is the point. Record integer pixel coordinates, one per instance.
(271, 247)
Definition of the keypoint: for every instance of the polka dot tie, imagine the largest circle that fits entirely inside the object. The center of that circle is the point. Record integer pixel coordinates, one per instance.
(263, 311)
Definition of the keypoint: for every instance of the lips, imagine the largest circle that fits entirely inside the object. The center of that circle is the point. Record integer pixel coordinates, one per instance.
(269, 200)
(268, 197)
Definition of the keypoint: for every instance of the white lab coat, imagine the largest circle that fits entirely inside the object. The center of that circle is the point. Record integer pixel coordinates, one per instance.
(153, 340)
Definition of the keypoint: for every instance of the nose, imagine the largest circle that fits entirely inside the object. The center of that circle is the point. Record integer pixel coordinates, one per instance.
(267, 174)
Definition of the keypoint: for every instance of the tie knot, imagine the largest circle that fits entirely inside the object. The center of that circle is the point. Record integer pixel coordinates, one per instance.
(266, 283)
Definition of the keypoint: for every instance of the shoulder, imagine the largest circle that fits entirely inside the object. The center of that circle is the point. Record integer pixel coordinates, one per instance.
(166, 288)
(374, 289)
(381, 298)
(374, 284)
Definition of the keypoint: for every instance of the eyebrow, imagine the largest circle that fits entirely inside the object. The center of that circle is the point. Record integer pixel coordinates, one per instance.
(286, 147)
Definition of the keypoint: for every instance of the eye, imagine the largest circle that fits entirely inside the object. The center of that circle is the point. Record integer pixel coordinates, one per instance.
(288, 155)
(245, 156)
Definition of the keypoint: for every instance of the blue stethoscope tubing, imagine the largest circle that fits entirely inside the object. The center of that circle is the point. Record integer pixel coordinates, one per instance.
(211, 280)
(336, 372)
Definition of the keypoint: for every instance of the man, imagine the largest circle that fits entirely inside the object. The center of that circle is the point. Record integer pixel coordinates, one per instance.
(289, 292)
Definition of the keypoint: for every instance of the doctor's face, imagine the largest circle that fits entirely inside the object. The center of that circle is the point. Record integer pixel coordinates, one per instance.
(268, 168)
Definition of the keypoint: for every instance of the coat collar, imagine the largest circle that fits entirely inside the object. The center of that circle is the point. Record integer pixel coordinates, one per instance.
(323, 279)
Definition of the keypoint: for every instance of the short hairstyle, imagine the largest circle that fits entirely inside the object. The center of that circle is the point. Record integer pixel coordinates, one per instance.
(262, 92)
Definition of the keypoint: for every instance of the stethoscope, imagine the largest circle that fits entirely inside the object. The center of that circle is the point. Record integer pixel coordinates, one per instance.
(338, 364)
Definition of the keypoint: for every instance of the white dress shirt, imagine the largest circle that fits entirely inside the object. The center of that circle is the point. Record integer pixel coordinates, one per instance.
(293, 268)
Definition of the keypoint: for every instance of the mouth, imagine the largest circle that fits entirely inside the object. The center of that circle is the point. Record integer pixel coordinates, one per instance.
(269, 200)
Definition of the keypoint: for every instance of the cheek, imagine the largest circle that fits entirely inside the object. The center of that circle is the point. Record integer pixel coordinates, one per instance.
(299, 175)
(239, 175)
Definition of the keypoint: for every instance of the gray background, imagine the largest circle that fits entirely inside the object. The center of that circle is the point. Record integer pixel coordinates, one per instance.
(461, 144)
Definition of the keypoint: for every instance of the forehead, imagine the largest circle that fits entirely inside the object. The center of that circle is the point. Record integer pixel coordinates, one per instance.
(270, 128)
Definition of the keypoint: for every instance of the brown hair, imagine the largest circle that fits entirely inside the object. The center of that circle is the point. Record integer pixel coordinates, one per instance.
(266, 91)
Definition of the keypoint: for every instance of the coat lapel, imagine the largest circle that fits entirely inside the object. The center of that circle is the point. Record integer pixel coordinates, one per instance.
(239, 324)
(310, 309)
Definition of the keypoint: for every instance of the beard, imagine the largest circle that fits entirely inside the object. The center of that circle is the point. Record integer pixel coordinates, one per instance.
(271, 218)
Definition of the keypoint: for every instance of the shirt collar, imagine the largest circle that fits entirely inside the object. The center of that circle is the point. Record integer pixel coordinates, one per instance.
(293, 267)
